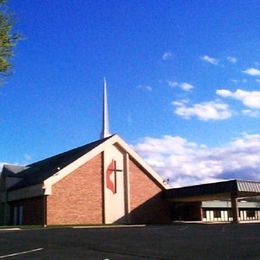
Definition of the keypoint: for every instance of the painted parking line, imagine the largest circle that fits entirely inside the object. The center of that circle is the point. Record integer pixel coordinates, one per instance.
(21, 253)
(9, 229)
(183, 228)
(110, 226)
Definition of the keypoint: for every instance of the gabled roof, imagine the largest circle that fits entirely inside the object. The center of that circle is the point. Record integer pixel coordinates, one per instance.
(53, 169)
(113, 140)
(12, 170)
(37, 172)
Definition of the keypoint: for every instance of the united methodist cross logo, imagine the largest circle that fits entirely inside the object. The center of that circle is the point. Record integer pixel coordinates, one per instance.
(111, 176)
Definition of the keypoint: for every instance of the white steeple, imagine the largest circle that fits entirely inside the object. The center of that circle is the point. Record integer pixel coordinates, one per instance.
(105, 124)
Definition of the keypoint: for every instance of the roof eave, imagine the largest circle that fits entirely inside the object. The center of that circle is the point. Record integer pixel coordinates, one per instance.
(115, 139)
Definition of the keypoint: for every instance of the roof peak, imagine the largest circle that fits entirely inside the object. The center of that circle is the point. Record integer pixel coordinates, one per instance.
(78, 148)
(41, 170)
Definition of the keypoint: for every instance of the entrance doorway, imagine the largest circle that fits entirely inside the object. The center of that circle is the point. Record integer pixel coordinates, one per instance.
(17, 215)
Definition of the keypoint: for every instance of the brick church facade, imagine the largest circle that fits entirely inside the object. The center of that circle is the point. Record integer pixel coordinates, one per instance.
(100, 183)
(106, 182)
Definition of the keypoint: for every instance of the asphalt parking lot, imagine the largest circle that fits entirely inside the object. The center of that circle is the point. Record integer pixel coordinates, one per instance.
(185, 241)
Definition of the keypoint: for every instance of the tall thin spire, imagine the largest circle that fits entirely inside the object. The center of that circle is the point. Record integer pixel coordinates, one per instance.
(105, 124)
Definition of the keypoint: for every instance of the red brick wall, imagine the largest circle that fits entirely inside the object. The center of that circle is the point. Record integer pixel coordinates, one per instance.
(146, 202)
(78, 198)
(32, 210)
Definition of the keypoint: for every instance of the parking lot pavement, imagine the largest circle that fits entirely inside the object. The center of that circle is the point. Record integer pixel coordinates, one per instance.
(184, 241)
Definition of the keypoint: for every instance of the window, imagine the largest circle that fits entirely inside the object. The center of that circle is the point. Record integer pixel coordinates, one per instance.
(217, 214)
(18, 215)
(204, 213)
(250, 213)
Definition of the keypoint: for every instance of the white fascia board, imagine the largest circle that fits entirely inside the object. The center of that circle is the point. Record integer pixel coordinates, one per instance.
(60, 174)
(142, 162)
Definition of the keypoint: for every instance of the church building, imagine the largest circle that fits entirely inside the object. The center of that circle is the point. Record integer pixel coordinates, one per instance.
(107, 182)
(101, 182)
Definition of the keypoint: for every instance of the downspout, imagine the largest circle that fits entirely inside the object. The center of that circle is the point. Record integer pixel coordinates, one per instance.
(44, 210)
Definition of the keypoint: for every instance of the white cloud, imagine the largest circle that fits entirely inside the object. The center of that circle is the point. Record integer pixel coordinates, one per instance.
(27, 157)
(236, 81)
(223, 92)
(188, 163)
(186, 86)
(210, 60)
(252, 72)
(172, 83)
(1, 166)
(145, 87)
(251, 113)
(212, 110)
(232, 59)
(248, 98)
(167, 55)
(183, 85)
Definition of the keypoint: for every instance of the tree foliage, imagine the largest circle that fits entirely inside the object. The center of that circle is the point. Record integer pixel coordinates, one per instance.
(8, 38)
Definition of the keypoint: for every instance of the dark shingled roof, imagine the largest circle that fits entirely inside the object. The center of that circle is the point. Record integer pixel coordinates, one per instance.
(11, 170)
(37, 172)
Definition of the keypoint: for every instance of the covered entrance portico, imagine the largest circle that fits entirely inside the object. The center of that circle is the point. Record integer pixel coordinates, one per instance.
(187, 201)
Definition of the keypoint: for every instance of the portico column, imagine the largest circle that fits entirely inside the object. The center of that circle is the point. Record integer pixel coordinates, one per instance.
(127, 189)
(235, 210)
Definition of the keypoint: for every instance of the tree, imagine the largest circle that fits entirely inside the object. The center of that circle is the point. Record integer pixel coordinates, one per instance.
(8, 38)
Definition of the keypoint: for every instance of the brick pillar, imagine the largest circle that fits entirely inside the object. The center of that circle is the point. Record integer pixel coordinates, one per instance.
(201, 211)
(235, 210)
(127, 189)
(44, 220)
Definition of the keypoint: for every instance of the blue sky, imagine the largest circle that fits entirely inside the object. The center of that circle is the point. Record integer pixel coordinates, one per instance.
(183, 83)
